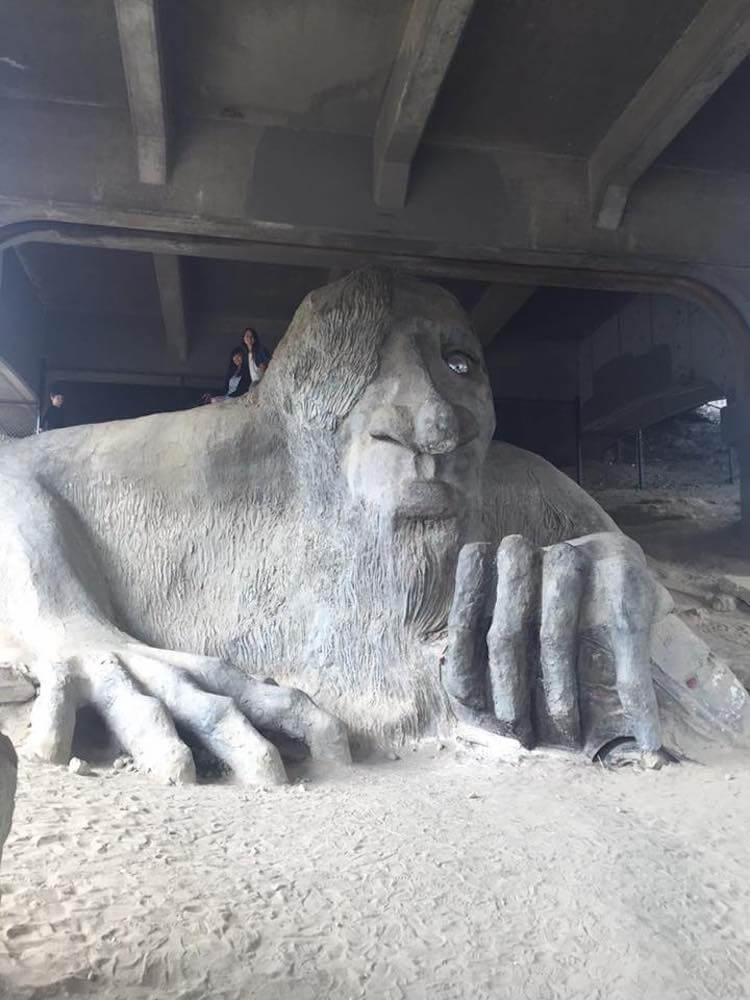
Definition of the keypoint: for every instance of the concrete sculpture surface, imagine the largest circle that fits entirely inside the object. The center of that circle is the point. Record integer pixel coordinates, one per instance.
(8, 777)
(348, 561)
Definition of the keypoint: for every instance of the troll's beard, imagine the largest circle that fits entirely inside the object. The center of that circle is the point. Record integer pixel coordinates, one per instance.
(420, 560)
(365, 601)
(393, 591)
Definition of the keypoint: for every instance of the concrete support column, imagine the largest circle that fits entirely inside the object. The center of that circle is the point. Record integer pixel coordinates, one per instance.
(744, 462)
(742, 446)
(735, 432)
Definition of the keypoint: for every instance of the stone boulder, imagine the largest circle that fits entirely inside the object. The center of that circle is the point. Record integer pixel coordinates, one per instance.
(15, 686)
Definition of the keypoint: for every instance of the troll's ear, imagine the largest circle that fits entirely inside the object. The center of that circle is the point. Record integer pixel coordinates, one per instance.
(330, 352)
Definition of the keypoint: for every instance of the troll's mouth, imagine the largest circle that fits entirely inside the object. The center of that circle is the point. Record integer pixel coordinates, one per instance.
(427, 498)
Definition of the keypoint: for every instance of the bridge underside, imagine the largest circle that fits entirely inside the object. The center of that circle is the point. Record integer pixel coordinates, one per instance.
(579, 177)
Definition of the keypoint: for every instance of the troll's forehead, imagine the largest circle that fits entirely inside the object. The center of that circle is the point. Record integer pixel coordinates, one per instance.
(332, 350)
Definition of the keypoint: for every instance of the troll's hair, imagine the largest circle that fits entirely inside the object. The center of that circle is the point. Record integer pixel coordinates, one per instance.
(330, 352)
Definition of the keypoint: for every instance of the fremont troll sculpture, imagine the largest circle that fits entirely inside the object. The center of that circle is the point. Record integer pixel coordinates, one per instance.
(349, 561)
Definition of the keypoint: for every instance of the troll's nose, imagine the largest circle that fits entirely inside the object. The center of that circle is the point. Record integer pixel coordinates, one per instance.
(436, 427)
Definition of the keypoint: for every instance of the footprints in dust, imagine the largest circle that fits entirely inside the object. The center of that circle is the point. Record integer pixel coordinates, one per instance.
(450, 881)
(116, 880)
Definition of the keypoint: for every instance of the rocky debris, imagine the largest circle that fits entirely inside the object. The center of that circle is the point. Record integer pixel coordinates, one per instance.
(724, 602)
(652, 761)
(15, 686)
(123, 763)
(78, 766)
(735, 586)
(506, 748)
(628, 754)
(696, 616)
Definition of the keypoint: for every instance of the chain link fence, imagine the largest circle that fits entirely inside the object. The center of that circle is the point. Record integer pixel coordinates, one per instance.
(18, 419)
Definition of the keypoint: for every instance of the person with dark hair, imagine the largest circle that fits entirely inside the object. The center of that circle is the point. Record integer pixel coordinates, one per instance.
(54, 415)
(247, 365)
(257, 356)
(237, 379)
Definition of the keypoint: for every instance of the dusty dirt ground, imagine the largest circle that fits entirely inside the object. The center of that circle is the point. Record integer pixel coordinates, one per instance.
(443, 875)
(440, 875)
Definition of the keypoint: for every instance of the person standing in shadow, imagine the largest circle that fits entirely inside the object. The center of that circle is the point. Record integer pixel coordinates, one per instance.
(54, 415)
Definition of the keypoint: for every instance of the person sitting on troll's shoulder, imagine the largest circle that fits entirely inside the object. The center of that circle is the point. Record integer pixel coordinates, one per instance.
(257, 356)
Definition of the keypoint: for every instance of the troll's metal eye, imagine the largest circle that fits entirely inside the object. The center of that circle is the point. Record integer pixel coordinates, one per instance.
(458, 362)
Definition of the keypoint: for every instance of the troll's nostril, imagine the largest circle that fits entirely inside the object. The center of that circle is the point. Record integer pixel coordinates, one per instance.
(441, 445)
(437, 430)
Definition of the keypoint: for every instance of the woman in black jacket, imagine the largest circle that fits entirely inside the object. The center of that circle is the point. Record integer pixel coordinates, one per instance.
(237, 379)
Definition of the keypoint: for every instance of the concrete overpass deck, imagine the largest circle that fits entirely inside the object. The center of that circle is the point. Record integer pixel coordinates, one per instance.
(174, 170)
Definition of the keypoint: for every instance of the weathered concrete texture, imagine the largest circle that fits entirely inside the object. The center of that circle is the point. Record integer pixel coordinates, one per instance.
(543, 76)
(264, 95)
(169, 280)
(511, 638)
(497, 305)
(699, 680)
(501, 190)
(563, 579)
(142, 60)
(632, 361)
(736, 586)
(430, 39)
(312, 537)
(470, 616)
(701, 60)
(96, 310)
(15, 685)
(656, 357)
(319, 66)
(8, 779)
(491, 197)
(21, 340)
